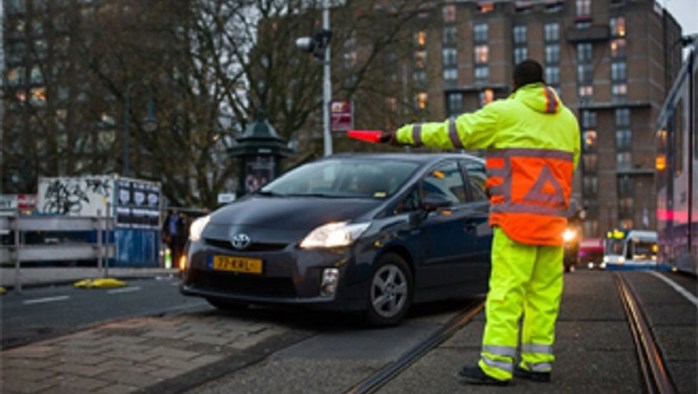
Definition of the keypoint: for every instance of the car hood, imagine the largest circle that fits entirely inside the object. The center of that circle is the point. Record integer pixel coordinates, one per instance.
(291, 213)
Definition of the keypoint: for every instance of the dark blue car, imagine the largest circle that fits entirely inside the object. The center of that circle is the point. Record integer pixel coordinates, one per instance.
(373, 233)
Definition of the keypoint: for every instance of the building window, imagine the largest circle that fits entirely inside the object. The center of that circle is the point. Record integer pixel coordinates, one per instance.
(623, 160)
(520, 34)
(591, 185)
(420, 59)
(422, 100)
(450, 74)
(15, 76)
(449, 13)
(589, 161)
(624, 140)
(586, 91)
(584, 74)
(626, 206)
(552, 75)
(482, 73)
(455, 103)
(619, 89)
(584, 52)
(450, 35)
(486, 97)
(552, 32)
(520, 54)
(617, 26)
(588, 120)
(421, 38)
(583, 7)
(589, 140)
(618, 48)
(480, 32)
(419, 76)
(486, 6)
(481, 54)
(449, 57)
(623, 117)
(552, 54)
(618, 72)
(625, 186)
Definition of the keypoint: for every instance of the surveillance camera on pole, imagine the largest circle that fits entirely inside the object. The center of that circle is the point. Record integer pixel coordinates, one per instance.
(316, 44)
(319, 46)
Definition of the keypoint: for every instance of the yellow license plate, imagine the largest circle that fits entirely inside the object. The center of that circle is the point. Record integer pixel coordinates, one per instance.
(237, 264)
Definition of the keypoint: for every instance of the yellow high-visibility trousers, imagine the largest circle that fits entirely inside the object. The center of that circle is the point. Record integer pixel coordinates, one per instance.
(525, 280)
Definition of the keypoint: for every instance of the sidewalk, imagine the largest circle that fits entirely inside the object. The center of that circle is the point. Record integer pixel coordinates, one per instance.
(45, 276)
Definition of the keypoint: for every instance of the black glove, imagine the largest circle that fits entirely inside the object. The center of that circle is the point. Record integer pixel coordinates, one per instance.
(388, 137)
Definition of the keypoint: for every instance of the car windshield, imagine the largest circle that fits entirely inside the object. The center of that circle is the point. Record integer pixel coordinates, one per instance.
(340, 178)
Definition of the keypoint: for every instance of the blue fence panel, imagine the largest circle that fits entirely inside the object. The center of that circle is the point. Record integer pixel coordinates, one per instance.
(137, 248)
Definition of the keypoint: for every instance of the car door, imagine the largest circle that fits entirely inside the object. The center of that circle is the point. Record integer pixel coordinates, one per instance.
(447, 236)
(478, 219)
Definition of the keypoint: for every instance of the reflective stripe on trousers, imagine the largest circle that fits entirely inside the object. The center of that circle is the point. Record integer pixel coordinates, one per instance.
(526, 280)
(536, 357)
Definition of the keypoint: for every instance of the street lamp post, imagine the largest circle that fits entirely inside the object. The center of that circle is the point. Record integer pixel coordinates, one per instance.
(319, 46)
(149, 124)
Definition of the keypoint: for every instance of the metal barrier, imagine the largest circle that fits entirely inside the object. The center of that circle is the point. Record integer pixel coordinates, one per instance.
(19, 251)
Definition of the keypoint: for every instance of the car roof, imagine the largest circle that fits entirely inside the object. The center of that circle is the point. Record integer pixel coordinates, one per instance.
(422, 158)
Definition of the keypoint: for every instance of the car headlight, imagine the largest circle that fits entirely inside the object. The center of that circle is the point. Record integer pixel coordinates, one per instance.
(332, 235)
(568, 235)
(197, 227)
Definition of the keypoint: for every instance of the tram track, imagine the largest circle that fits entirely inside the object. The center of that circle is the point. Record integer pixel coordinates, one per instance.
(392, 370)
(652, 366)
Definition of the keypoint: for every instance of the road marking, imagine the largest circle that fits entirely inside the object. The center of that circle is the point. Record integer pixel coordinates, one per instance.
(47, 299)
(124, 290)
(678, 288)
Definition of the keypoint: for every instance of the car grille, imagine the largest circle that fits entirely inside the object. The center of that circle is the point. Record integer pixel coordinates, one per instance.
(247, 285)
(254, 247)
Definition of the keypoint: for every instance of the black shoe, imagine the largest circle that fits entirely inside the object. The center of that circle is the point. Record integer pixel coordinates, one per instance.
(543, 377)
(474, 375)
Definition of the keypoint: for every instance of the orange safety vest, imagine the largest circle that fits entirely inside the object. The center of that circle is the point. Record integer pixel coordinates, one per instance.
(529, 193)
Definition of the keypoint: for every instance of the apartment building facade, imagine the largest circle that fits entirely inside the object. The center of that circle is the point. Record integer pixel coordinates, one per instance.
(611, 61)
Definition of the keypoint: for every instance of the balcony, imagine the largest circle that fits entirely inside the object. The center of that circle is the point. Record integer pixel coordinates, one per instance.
(591, 33)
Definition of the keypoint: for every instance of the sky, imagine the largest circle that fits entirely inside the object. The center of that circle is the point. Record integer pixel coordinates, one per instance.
(685, 12)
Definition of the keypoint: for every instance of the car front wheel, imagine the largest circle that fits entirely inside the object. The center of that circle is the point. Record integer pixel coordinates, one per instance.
(390, 291)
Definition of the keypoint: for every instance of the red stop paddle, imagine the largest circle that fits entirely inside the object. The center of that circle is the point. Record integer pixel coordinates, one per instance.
(372, 136)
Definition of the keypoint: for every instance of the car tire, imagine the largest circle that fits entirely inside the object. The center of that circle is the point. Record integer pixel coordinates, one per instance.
(226, 305)
(390, 291)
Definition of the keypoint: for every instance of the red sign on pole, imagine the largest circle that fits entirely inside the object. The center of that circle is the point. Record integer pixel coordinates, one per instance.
(341, 115)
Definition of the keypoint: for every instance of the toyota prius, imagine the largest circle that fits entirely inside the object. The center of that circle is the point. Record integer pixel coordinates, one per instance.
(367, 233)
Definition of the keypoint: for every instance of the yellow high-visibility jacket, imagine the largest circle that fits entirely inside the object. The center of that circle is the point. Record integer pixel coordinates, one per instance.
(533, 143)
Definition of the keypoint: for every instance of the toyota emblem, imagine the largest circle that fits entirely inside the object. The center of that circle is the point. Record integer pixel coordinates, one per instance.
(241, 241)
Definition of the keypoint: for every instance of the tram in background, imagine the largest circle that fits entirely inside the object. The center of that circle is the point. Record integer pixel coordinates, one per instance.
(677, 171)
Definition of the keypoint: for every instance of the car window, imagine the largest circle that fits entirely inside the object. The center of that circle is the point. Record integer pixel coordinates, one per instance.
(410, 203)
(477, 180)
(445, 179)
(344, 177)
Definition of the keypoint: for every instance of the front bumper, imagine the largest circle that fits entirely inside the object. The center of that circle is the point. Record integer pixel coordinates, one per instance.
(290, 276)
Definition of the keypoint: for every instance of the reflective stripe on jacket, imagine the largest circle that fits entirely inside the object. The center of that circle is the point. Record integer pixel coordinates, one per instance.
(532, 143)
(529, 193)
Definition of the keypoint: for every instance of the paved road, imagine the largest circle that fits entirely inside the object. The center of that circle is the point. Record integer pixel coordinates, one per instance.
(268, 350)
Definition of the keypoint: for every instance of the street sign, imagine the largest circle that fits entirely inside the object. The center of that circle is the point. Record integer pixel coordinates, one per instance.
(341, 115)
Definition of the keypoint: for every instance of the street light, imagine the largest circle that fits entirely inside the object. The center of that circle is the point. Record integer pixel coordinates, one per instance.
(319, 45)
(149, 123)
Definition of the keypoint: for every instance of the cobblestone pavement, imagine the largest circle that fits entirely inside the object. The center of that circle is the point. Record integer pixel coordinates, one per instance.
(148, 354)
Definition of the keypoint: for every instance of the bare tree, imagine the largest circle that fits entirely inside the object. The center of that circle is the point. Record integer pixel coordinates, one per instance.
(208, 66)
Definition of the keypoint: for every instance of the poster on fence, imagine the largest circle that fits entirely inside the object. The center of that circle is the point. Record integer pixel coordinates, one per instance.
(138, 204)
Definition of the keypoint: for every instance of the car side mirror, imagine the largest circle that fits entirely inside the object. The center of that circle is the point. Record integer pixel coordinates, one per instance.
(433, 202)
